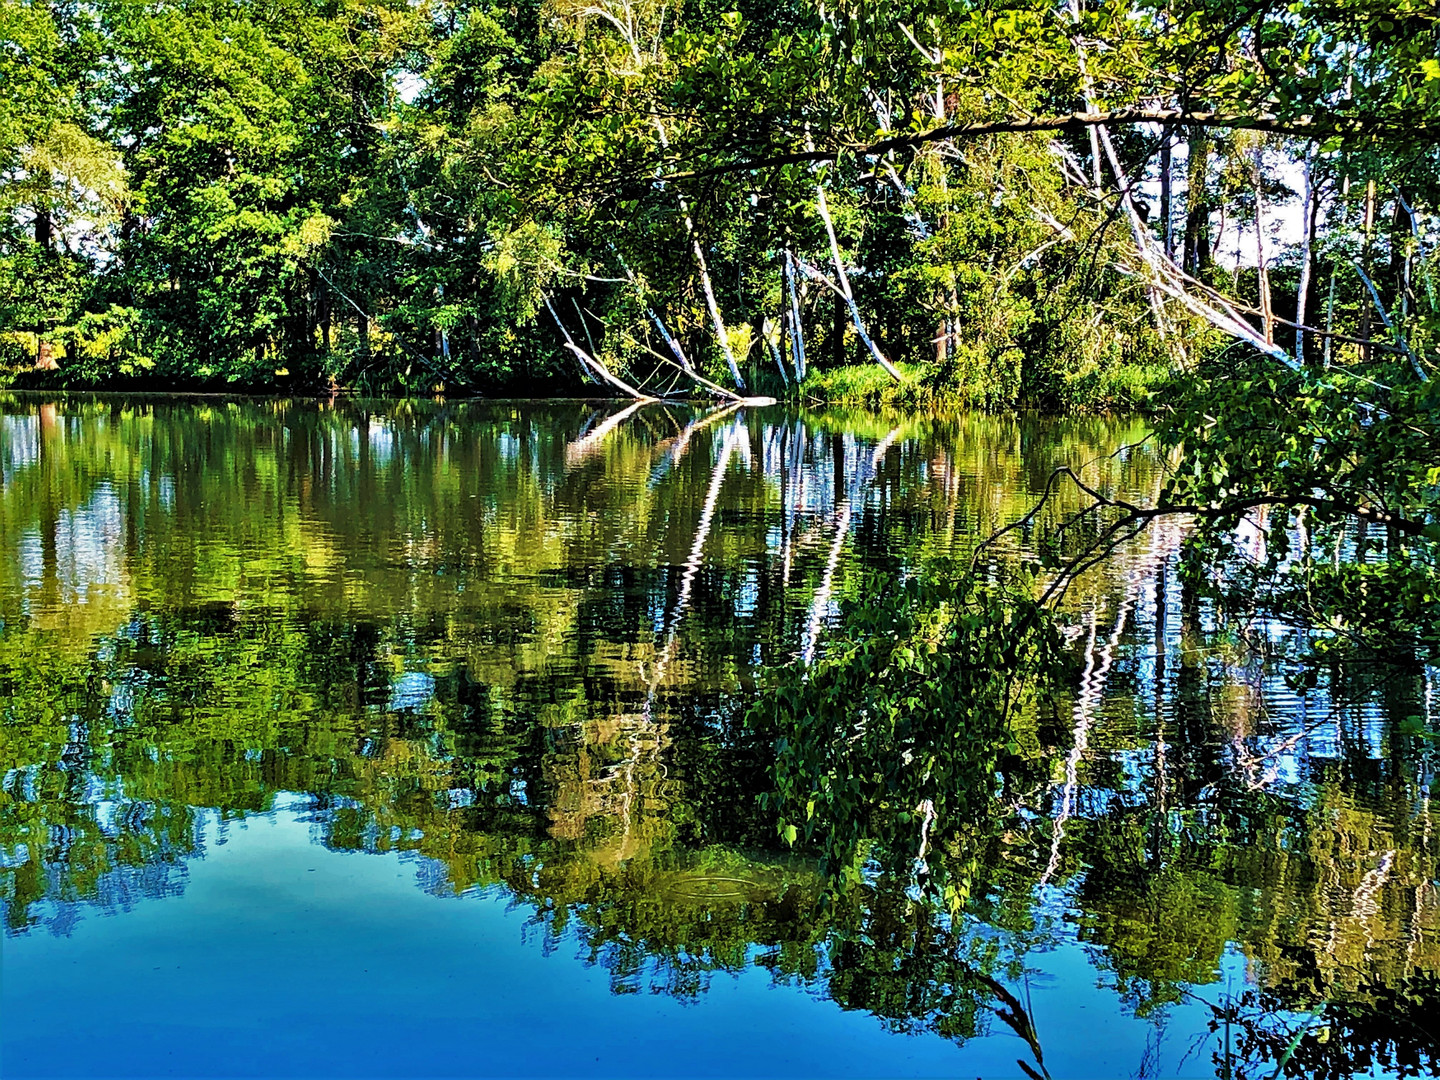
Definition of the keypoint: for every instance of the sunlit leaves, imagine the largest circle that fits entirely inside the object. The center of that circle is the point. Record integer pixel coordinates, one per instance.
(893, 737)
(1343, 466)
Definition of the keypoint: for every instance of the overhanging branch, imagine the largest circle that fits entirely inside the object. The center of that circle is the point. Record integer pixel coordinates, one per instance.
(1308, 126)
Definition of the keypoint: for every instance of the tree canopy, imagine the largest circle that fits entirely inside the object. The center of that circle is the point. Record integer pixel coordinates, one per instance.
(700, 198)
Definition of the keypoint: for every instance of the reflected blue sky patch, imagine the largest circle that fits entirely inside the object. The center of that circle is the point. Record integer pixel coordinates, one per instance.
(282, 958)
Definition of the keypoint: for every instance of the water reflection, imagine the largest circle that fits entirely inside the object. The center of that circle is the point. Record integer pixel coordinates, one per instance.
(513, 644)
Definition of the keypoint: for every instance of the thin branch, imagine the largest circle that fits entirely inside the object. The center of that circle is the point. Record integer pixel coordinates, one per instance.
(1385, 318)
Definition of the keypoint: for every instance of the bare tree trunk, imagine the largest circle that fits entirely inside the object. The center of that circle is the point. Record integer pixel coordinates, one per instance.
(1262, 269)
(1141, 235)
(797, 325)
(848, 294)
(586, 360)
(1334, 268)
(1400, 259)
(670, 341)
(706, 286)
(1100, 136)
(1095, 156)
(721, 334)
(784, 327)
(1087, 89)
(774, 350)
(580, 315)
(1307, 253)
(1395, 331)
(625, 22)
(1411, 252)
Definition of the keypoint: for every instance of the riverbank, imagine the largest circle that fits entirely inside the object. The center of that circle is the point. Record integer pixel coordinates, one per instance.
(1125, 387)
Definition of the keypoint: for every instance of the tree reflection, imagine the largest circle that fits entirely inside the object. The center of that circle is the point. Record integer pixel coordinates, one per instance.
(526, 666)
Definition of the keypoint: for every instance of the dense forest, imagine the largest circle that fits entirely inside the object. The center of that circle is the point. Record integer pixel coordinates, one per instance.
(1007, 203)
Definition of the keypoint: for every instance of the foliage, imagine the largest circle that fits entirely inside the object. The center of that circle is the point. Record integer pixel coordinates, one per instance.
(383, 196)
(895, 735)
(1320, 491)
(1383, 1027)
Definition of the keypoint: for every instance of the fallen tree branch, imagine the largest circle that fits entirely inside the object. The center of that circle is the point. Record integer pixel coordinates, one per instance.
(588, 361)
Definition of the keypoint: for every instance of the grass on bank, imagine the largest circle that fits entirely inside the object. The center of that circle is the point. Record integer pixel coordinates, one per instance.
(1121, 387)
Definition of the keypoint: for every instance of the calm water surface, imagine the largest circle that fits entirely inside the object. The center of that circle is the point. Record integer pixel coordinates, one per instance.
(407, 739)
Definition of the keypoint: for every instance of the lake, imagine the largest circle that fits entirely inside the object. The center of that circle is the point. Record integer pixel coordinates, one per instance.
(408, 738)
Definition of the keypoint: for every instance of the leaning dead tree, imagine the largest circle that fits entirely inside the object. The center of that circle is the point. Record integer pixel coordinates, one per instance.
(589, 363)
(681, 360)
(841, 286)
(621, 15)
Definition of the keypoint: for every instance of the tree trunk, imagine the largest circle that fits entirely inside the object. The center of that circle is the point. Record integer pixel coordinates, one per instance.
(721, 334)
(1197, 204)
(797, 323)
(587, 360)
(45, 238)
(774, 349)
(848, 294)
(1365, 263)
(1167, 228)
(1139, 230)
(1307, 255)
(44, 230)
(1343, 206)
(1086, 86)
(785, 306)
(1400, 261)
(676, 349)
(722, 337)
(1262, 269)
(1413, 248)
